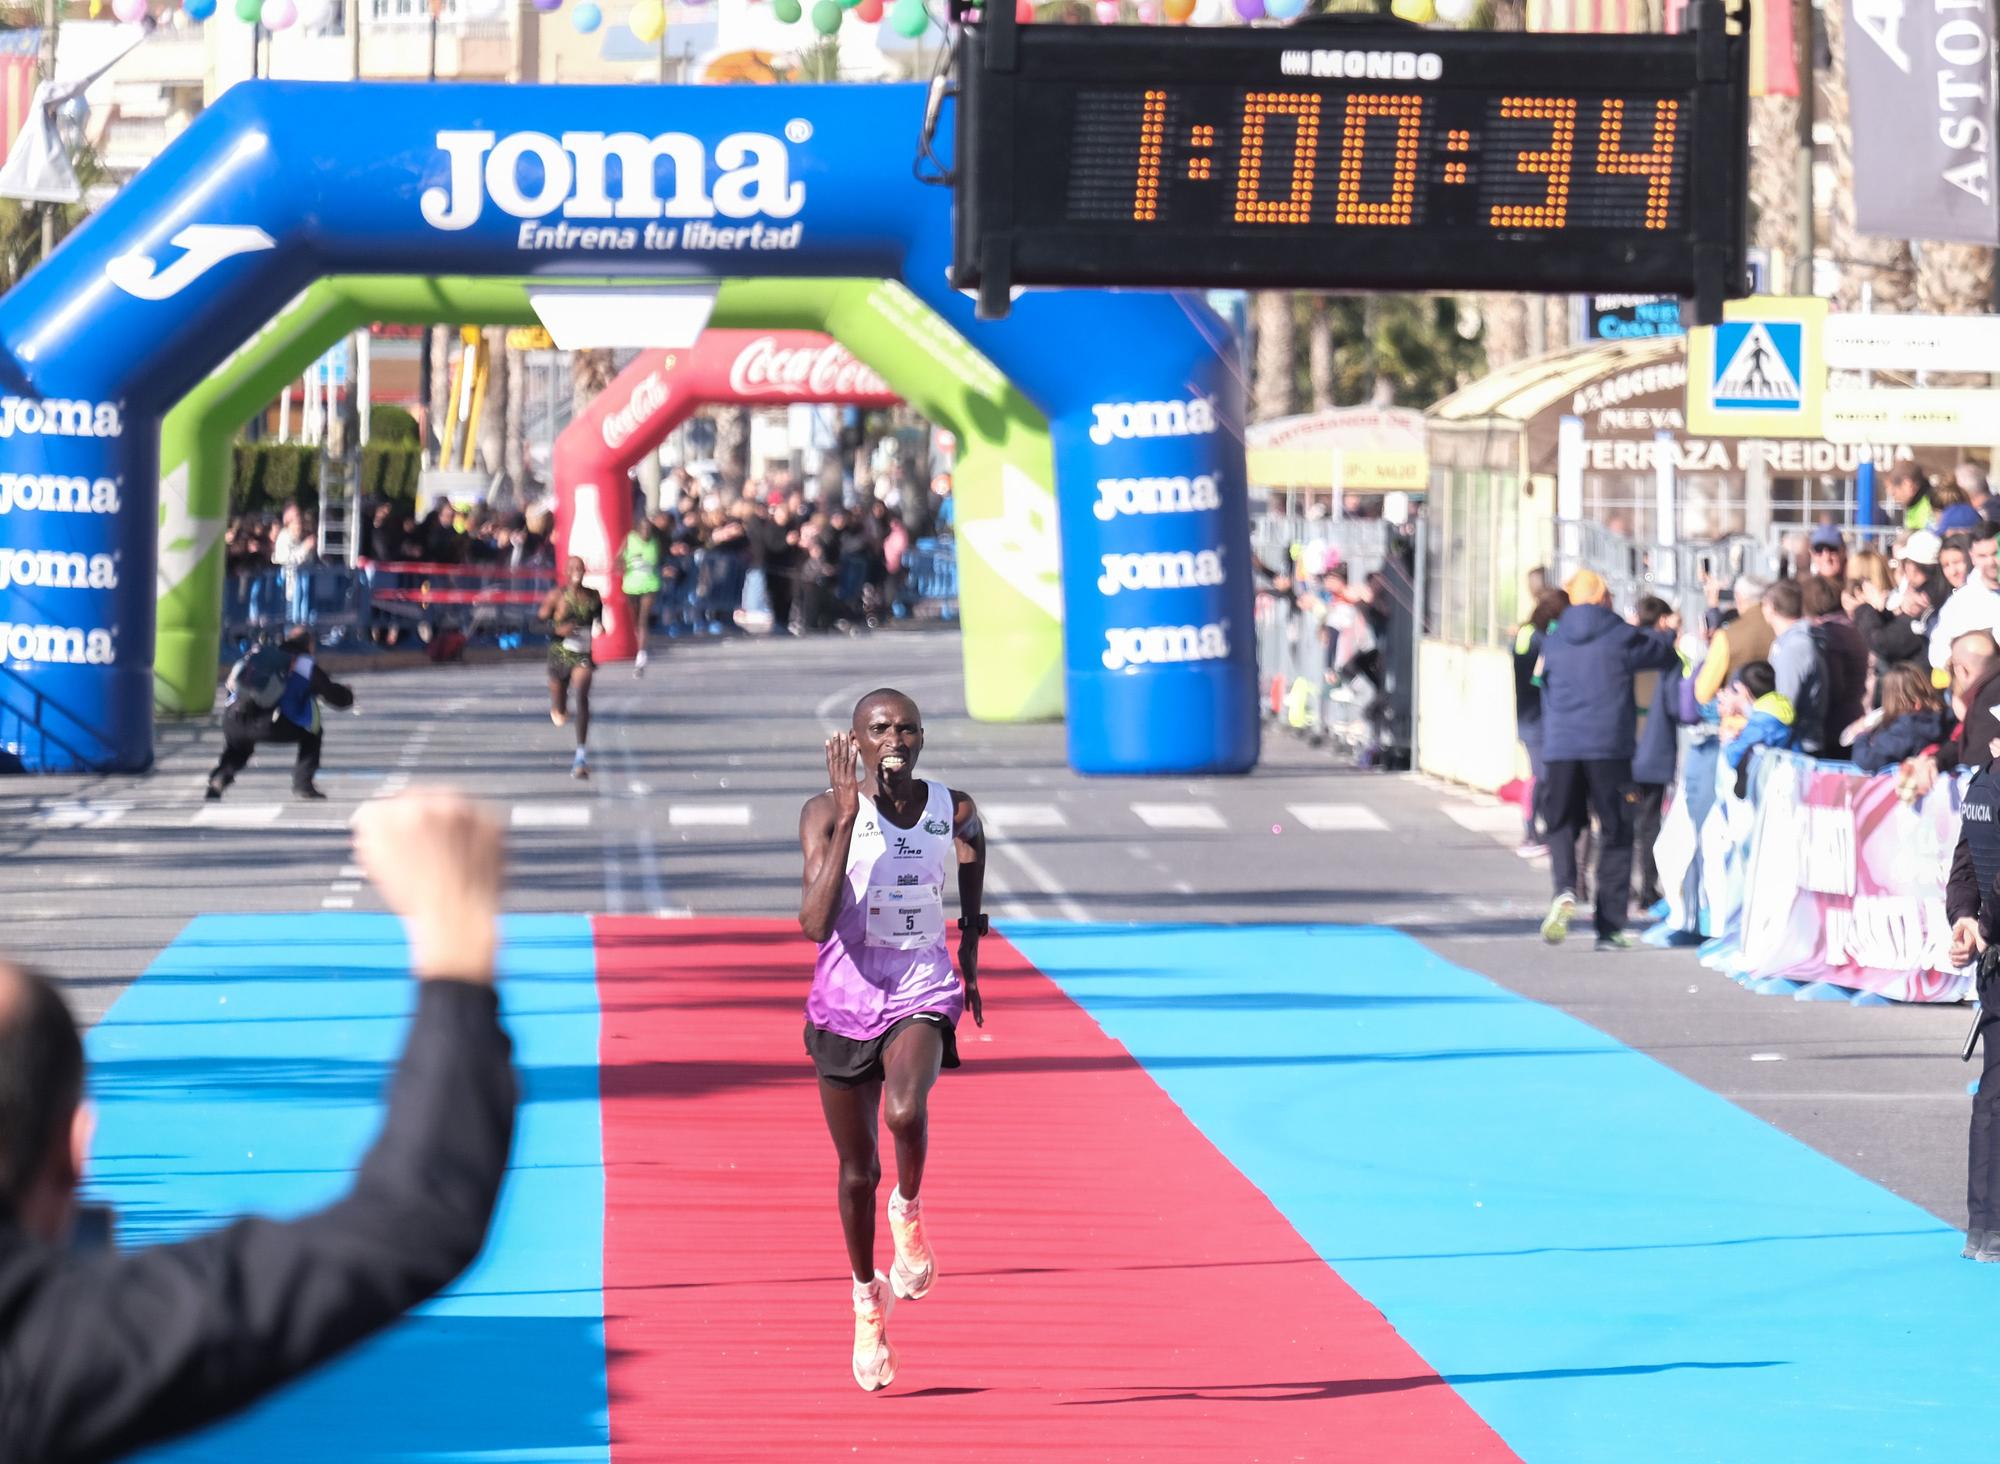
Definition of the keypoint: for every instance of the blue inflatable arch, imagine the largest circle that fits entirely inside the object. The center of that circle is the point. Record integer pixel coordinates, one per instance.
(280, 183)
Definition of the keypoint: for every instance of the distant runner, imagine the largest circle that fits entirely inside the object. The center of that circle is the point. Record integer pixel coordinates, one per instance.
(885, 1002)
(641, 560)
(572, 609)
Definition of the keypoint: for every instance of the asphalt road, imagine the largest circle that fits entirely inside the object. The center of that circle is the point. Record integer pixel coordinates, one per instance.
(700, 769)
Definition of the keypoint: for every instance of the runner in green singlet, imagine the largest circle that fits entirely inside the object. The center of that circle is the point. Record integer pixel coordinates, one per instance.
(572, 610)
(641, 558)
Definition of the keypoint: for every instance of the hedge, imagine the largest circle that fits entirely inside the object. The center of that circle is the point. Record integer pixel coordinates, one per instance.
(269, 475)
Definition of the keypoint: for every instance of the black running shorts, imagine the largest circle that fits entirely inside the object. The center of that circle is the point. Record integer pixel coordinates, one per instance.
(851, 1061)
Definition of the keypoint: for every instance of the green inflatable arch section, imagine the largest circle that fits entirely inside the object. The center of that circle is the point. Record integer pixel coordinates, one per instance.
(1010, 592)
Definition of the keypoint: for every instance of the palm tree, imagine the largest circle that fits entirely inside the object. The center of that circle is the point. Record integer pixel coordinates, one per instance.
(1274, 385)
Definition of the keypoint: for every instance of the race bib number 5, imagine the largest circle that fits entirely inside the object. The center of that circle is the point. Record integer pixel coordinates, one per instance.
(905, 919)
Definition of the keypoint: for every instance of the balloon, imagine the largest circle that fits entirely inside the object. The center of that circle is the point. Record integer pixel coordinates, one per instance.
(199, 10)
(1250, 9)
(1024, 12)
(787, 11)
(909, 18)
(129, 11)
(869, 12)
(250, 12)
(586, 18)
(1149, 12)
(648, 20)
(545, 6)
(1107, 12)
(314, 12)
(1285, 9)
(1417, 12)
(1455, 12)
(1178, 11)
(849, 4)
(279, 14)
(826, 16)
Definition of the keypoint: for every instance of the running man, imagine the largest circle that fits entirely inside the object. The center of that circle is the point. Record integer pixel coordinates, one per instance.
(572, 609)
(641, 560)
(885, 1004)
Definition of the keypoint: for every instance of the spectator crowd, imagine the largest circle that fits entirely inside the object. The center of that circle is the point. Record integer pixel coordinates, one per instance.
(1889, 660)
(728, 552)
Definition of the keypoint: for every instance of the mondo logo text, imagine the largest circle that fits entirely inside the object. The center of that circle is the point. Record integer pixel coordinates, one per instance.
(1155, 645)
(1118, 497)
(33, 416)
(753, 177)
(49, 569)
(55, 493)
(57, 645)
(1181, 570)
(1121, 421)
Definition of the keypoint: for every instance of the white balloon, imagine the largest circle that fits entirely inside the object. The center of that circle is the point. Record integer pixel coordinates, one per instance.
(314, 13)
(1455, 12)
(1214, 12)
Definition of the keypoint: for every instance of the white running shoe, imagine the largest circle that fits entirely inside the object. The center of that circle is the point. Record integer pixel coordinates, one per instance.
(915, 1269)
(874, 1358)
(639, 664)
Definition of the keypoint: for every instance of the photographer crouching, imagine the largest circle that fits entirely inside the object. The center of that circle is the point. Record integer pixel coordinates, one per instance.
(104, 1353)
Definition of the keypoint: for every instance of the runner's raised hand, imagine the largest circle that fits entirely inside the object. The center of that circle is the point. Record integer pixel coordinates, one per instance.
(843, 775)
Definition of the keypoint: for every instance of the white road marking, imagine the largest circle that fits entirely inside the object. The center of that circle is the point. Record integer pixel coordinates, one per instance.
(1044, 881)
(346, 887)
(1010, 818)
(709, 815)
(341, 903)
(1338, 818)
(550, 816)
(1179, 815)
(1487, 818)
(239, 815)
(80, 815)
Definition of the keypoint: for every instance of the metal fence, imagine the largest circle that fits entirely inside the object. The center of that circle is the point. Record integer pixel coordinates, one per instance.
(353, 607)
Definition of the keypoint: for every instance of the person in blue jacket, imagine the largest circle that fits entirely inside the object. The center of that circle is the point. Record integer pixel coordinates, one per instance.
(1770, 720)
(1911, 719)
(1589, 733)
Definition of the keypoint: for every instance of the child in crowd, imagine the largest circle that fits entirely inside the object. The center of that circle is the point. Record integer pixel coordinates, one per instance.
(1768, 719)
(1911, 719)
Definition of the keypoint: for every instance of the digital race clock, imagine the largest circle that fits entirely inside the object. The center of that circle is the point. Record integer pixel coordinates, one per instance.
(1351, 156)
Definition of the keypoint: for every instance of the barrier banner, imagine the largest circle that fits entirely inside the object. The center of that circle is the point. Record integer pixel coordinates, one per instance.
(1845, 884)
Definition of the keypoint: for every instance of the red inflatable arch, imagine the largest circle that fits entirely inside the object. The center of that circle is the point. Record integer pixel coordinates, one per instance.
(648, 399)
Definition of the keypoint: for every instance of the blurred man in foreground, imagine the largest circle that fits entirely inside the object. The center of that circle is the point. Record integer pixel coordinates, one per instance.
(102, 1354)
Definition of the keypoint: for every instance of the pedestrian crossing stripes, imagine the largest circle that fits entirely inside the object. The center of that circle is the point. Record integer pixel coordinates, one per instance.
(550, 816)
(1179, 815)
(709, 815)
(1486, 818)
(1337, 818)
(1010, 818)
(239, 815)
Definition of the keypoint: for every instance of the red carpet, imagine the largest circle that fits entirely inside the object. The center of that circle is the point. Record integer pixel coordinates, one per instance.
(1110, 1287)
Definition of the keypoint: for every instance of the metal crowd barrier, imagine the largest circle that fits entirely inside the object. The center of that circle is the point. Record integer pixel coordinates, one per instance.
(1294, 658)
(700, 594)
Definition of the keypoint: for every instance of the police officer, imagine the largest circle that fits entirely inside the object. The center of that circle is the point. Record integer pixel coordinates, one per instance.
(1972, 903)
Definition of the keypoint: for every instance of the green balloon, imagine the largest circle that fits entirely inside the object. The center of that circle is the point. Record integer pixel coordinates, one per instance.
(910, 18)
(787, 11)
(826, 17)
(849, 4)
(249, 11)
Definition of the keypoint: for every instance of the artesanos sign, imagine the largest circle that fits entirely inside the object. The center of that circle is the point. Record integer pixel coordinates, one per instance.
(763, 368)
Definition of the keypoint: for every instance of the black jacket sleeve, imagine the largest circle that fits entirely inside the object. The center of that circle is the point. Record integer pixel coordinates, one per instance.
(1896, 638)
(1961, 889)
(332, 692)
(102, 1356)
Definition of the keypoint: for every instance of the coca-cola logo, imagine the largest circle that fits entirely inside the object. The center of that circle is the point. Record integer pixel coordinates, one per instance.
(765, 368)
(646, 399)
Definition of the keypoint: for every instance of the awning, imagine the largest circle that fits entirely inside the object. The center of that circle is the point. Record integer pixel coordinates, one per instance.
(1345, 449)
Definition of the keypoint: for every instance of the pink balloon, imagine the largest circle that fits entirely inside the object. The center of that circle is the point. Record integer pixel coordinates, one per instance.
(129, 11)
(1024, 12)
(1107, 12)
(869, 12)
(279, 14)
(1149, 12)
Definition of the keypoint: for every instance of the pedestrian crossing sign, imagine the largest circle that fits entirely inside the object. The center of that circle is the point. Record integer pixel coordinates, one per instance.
(1761, 372)
(1756, 365)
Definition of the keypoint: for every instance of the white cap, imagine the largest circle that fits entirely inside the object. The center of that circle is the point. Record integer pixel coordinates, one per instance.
(1920, 548)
